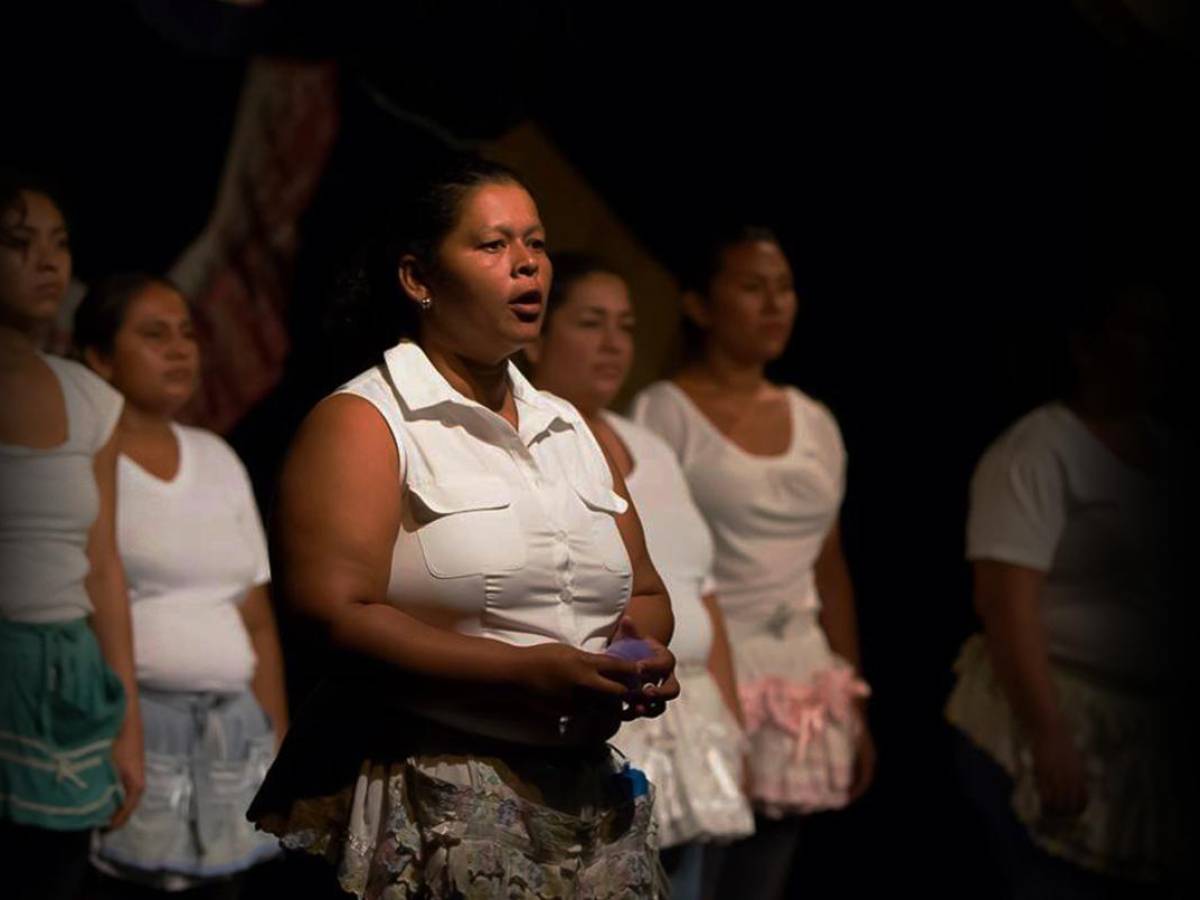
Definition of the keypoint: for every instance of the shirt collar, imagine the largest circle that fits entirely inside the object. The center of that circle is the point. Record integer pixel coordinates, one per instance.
(422, 386)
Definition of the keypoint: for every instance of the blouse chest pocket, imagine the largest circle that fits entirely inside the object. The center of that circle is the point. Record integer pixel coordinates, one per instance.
(467, 527)
(602, 506)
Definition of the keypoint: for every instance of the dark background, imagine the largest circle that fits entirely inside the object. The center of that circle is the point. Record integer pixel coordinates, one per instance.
(942, 180)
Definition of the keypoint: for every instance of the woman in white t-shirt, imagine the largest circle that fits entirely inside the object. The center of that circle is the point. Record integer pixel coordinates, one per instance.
(70, 732)
(693, 753)
(766, 466)
(1060, 700)
(206, 649)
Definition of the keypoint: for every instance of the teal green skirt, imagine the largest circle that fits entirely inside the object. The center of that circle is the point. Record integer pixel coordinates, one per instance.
(60, 708)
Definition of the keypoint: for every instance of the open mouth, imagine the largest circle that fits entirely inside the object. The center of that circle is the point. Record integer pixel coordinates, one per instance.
(527, 306)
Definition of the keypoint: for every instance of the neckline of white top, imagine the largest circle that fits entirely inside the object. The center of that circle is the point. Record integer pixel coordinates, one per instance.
(431, 387)
(180, 471)
(617, 424)
(1077, 422)
(793, 437)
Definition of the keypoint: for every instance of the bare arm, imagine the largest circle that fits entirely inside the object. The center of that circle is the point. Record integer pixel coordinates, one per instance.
(1007, 598)
(338, 516)
(105, 584)
(337, 519)
(837, 616)
(268, 683)
(649, 605)
(840, 623)
(720, 659)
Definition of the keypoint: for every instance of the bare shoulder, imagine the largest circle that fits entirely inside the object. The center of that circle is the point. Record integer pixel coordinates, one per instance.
(345, 439)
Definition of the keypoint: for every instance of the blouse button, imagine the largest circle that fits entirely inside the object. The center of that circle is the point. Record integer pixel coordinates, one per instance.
(565, 595)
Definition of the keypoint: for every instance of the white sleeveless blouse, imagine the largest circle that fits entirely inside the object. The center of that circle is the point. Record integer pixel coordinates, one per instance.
(505, 533)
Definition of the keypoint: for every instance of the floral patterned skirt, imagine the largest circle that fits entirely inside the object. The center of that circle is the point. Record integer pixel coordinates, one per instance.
(443, 814)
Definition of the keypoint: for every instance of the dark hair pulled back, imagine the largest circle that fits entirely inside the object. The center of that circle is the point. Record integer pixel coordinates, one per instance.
(369, 311)
(13, 184)
(697, 274)
(570, 268)
(101, 312)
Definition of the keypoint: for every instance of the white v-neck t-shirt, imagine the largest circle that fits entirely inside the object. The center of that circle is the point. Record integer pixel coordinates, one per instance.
(769, 515)
(49, 501)
(192, 548)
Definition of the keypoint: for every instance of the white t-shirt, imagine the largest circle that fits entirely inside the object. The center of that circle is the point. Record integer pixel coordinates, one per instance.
(1048, 495)
(676, 537)
(505, 533)
(49, 502)
(192, 548)
(769, 515)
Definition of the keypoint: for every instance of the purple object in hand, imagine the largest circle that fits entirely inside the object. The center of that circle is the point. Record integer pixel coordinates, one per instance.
(630, 650)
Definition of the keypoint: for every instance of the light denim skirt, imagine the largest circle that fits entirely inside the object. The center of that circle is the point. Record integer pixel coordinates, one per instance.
(206, 755)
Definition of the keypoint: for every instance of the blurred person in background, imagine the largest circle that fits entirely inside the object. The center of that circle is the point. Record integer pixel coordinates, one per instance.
(692, 754)
(766, 466)
(70, 729)
(1059, 702)
(209, 666)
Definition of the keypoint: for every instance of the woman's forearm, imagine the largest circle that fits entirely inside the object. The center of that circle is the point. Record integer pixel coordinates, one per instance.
(651, 614)
(1007, 599)
(105, 584)
(840, 623)
(838, 617)
(112, 625)
(385, 635)
(268, 682)
(720, 660)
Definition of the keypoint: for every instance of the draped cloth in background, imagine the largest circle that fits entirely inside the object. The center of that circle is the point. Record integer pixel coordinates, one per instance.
(238, 271)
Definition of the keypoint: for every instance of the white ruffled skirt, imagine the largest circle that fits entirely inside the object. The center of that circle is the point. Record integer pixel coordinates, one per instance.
(798, 699)
(692, 754)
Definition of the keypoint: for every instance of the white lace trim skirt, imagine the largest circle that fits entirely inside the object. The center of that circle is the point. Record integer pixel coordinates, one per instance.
(692, 754)
(1132, 822)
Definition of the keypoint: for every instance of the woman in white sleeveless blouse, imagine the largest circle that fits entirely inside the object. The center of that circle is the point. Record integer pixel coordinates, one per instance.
(766, 466)
(462, 543)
